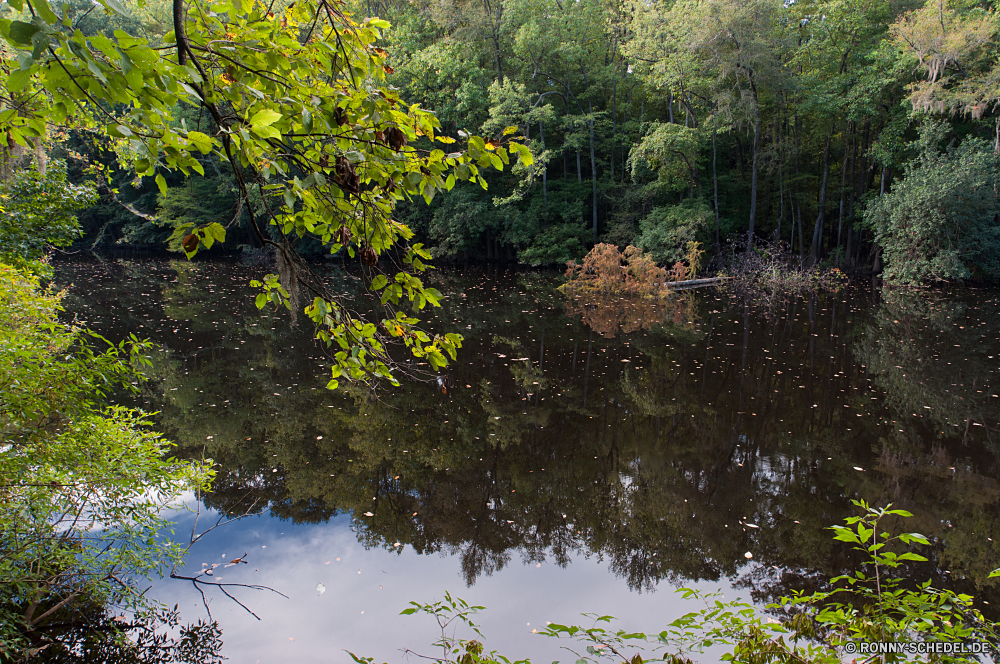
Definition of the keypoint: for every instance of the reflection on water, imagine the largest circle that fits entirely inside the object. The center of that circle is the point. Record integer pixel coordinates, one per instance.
(665, 443)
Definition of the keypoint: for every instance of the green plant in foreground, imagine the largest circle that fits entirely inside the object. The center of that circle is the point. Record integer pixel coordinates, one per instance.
(875, 604)
(82, 486)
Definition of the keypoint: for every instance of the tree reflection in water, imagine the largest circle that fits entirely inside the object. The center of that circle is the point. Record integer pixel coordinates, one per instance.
(667, 438)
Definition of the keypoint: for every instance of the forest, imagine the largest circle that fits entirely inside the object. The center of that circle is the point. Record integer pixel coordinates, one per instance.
(863, 134)
(816, 139)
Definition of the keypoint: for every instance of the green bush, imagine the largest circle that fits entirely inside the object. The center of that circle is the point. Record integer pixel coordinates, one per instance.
(39, 210)
(557, 244)
(83, 484)
(665, 232)
(940, 222)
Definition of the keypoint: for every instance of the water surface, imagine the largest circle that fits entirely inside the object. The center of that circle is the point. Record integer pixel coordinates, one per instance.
(576, 458)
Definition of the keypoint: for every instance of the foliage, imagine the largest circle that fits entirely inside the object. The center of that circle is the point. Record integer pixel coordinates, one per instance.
(318, 143)
(666, 231)
(38, 210)
(557, 244)
(940, 221)
(670, 151)
(151, 636)
(877, 603)
(198, 202)
(629, 108)
(607, 271)
(84, 485)
(954, 44)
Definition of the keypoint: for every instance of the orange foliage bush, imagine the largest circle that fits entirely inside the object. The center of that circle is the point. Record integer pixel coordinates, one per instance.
(607, 271)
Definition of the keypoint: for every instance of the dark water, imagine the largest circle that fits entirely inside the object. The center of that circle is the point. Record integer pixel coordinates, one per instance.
(574, 459)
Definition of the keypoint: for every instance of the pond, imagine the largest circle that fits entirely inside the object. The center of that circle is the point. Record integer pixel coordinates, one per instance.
(574, 459)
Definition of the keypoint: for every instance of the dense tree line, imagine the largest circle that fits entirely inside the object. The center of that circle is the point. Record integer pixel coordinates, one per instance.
(860, 133)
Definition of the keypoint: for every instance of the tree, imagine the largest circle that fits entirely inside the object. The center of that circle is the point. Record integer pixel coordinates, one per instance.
(37, 210)
(940, 221)
(318, 144)
(742, 42)
(955, 47)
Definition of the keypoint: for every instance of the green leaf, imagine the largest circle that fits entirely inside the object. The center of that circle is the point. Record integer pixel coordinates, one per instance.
(161, 183)
(202, 142)
(266, 131)
(912, 556)
(44, 11)
(264, 118)
(18, 80)
(407, 612)
(217, 231)
(379, 282)
(844, 534)
(21, 32)
(115, 6)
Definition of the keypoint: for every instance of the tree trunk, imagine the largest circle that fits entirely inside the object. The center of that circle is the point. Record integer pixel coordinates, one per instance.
(843, 187)
(593, 168)
(802, 250)
(180, 35)
(781, 198)
(864, 160)
(715, 191)
(756, 161)
(670, 105)
(495, 34)
(817, 239)
(545, 168)
(614, 126)
(41, 156)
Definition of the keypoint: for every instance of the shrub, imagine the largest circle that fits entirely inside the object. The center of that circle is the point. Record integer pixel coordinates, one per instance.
(767, 272)
(556, 244)
(39, 210)
(940, 221)
(84, 484)
(665, 233)
(607, 271)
